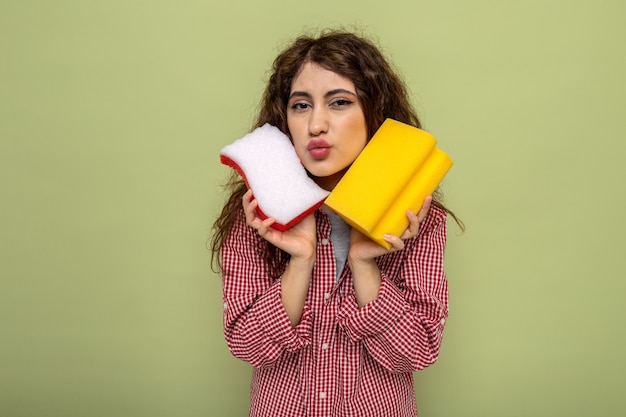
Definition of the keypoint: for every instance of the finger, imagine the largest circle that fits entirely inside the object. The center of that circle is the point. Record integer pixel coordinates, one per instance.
(249, 208)
(396, 242)
(414, 225)
(423, 213)
(246, 199)
(416, 219)
(264, 226)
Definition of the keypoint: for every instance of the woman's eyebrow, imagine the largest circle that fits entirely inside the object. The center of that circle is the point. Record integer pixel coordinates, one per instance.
(299, 94)
(328, 94)
(339, 91)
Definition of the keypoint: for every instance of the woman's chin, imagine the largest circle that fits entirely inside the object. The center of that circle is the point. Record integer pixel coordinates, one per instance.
(326, 180)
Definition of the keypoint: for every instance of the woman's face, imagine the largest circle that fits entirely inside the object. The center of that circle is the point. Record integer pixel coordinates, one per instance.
(326, 123)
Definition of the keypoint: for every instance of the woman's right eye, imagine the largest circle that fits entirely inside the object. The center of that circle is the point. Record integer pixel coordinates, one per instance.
(299, 106)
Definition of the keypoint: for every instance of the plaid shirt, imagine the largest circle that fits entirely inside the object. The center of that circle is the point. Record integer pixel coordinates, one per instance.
(340, 360)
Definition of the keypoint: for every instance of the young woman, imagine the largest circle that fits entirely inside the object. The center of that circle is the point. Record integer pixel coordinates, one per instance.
(333, 323)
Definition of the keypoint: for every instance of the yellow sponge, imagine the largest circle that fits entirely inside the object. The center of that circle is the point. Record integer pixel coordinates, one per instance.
(397, 169)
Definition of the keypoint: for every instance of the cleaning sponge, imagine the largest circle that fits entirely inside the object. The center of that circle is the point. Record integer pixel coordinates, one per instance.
(397, 169)
(267, 162)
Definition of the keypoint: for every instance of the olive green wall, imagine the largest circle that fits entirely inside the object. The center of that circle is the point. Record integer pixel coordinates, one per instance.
(112, 114)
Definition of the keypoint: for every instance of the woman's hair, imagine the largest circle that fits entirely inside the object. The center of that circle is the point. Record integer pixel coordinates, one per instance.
(380, 89)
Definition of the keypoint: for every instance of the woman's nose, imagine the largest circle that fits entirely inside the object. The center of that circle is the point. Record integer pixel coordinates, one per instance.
(318, 123)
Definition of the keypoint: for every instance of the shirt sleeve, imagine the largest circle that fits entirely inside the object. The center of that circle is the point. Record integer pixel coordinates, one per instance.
(256, 326)
(403, 327)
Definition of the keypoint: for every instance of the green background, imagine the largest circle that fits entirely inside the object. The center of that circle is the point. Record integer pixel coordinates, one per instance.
(112, 115)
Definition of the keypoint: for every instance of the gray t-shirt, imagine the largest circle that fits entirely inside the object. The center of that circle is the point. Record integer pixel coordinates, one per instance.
(340, 236)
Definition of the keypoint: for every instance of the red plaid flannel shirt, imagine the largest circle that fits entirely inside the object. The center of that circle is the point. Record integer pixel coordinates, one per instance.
(341, 360)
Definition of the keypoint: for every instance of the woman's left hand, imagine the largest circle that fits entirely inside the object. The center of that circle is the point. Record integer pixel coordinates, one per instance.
(362, 248)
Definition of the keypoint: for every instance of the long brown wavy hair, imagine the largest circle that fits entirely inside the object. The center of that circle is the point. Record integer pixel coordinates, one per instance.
(380, 89)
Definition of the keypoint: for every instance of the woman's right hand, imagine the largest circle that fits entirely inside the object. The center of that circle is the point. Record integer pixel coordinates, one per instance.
(299, 241)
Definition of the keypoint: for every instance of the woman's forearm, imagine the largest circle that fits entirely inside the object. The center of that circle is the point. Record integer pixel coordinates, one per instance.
(295, 286)
(366, 277)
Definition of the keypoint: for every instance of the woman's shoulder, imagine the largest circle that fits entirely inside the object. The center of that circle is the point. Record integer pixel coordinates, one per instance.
(435, 220)
(438, 214)
(241, 231)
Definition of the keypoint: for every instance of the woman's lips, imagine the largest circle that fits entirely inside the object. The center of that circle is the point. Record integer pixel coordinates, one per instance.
(318, 148)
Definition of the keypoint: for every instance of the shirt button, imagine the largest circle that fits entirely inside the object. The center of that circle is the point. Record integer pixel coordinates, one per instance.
(327, 296)
(322, 395)
(443, 321)
(325, 346)
(225, 306)
(325, 241)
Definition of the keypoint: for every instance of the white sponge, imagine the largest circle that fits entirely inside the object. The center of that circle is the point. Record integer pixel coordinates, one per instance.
(267, 162)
